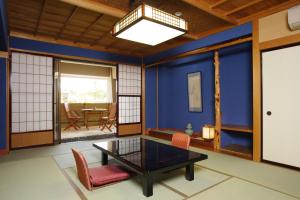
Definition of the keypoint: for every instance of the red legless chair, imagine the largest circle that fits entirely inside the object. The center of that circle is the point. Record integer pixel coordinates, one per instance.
(110, 120)
(72, 117)
(97, 176)
(181, 140)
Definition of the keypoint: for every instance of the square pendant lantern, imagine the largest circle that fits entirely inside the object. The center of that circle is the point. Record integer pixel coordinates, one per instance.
(149, 25)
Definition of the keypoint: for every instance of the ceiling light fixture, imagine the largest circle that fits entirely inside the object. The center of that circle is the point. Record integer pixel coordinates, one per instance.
(149, 25)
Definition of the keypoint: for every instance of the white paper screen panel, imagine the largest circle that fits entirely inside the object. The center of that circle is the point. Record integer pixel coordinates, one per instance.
(31, 93)
(129, 92)
(129, 80)
(129, 109)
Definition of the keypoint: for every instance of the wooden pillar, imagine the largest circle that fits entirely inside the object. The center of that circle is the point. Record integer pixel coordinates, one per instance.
(256, 93)
(217, 102)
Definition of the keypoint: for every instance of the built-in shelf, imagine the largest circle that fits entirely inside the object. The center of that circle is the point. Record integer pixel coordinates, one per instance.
(238, 150)
(238, 128)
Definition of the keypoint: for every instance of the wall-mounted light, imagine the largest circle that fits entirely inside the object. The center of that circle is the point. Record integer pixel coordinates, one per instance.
(149, 25)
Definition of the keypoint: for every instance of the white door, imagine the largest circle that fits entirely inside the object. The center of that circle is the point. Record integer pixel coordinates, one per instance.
(281, 106)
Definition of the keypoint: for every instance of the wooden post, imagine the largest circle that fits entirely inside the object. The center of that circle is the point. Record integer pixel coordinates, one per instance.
(143, 99)
(257, 107)
(217, 103)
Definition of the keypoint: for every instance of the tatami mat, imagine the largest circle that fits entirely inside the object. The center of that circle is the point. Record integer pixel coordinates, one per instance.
(33, 174)
(236, 189)
(275, 177)
(34, 179)
(270, 176)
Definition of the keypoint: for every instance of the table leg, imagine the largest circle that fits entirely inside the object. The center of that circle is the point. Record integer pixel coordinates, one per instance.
(189, 172)
(104, 158)
(147, 185)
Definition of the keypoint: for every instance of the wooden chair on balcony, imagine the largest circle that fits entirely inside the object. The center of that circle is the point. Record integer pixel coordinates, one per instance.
(109, 120)
(72, 117)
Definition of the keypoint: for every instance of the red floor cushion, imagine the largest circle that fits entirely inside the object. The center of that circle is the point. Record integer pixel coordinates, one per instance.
(107, 174)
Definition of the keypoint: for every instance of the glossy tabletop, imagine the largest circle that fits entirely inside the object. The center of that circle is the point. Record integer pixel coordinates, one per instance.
(146, 156)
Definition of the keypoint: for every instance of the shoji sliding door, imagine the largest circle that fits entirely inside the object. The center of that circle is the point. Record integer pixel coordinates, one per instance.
(129, 100)
(31, 100)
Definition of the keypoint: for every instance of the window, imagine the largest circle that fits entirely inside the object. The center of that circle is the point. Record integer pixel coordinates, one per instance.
(85, 89)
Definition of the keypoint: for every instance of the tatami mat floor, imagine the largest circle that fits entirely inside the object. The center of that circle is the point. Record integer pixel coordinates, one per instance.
(49, 173)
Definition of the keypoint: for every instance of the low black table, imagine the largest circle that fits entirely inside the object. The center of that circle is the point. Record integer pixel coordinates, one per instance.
(147, 158)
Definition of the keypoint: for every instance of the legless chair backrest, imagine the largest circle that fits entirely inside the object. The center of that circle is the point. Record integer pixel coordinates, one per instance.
(82, 169)
(181, 140)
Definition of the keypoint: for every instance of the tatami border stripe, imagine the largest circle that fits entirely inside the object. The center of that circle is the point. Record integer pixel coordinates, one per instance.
(209, 187)
(173, 189)
(261, 185)
(73, 185)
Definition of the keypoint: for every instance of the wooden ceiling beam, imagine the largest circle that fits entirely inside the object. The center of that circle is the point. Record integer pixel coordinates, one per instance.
(251, 3)
(201, 4)
(98, 7)
(40, 16)
(220, 2)
(89, 27)
(99, 39)
(274, 9)
(67, 21)
(53, 40)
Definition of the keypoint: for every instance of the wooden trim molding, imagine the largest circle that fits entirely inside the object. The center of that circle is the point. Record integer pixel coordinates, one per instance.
(44, 38)
(98, 7)
(256, 93)
(201, 50)
(69, 57)
(129, 129)
(3, 54)
(280, 42)
(31, 139)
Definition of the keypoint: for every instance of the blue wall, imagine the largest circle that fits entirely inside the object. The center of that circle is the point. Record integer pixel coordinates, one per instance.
(236, 84)
(150, 97)
(236, 75)
(2, 103)
(3, 26)
(3, 47)
(173, 93)
(32, 45)
(236, 92)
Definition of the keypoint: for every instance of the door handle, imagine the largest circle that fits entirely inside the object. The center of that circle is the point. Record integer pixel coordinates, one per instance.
(269, 113)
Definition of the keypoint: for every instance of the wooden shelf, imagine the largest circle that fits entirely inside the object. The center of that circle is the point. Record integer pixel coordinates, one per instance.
(230, 127)
(238, 150)
(196, 139)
